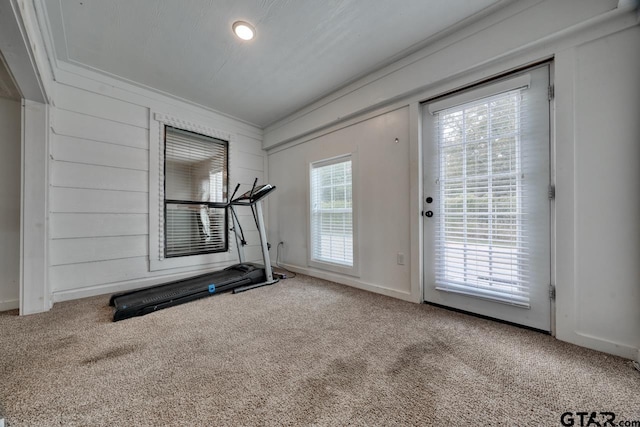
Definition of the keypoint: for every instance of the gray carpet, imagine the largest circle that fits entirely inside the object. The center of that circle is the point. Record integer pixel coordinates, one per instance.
(301, 352)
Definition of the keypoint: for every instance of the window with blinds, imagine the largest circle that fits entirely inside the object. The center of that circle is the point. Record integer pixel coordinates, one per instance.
(195, 193)
(484, 232)
(332, 211)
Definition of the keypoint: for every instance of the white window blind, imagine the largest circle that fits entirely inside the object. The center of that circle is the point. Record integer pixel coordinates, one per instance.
(332, 211)
(195, 219)
(485, 234)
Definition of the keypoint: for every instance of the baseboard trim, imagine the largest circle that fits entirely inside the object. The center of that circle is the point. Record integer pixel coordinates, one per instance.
(350, 281)
(12, 304)
(600, 344)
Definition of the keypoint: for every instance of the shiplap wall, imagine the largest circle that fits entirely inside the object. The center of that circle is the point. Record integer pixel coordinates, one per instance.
(99, 184)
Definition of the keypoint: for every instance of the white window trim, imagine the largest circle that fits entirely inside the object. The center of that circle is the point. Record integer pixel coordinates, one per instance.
(353, 270)
(157, 261)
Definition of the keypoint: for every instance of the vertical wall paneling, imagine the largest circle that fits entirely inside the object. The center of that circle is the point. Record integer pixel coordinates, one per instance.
(35, 287)
(597, 198)
(10, 112)
(415, 200)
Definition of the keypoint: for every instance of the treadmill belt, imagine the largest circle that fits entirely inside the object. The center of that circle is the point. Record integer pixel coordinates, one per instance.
(148, 300)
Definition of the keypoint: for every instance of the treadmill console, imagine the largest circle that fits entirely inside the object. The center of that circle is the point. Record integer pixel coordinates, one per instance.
(255, 194)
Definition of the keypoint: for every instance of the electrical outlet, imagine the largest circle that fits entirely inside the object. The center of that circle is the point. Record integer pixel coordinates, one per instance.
(400, 258)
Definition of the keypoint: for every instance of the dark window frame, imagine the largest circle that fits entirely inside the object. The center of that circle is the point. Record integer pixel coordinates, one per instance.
(215, 205)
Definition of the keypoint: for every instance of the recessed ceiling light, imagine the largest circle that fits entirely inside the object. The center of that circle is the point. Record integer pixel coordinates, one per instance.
(244, 30)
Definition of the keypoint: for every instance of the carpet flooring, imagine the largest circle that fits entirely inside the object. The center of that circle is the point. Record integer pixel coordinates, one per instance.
(301, 352)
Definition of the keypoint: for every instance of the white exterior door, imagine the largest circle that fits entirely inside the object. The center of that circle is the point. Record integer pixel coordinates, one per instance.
(486, 200)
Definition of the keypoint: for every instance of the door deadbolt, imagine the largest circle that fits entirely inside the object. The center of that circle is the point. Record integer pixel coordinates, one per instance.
(429, 199)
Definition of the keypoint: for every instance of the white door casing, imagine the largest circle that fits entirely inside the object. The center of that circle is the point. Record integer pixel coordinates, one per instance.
(487, 236)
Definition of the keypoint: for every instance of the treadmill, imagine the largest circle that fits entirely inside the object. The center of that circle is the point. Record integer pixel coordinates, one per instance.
(239, 277)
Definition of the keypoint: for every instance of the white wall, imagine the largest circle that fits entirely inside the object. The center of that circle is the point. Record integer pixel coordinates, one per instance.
(381, 179)
(598, 199)
(35, 295)
(99, 184)
(596, 134)
(9, 203)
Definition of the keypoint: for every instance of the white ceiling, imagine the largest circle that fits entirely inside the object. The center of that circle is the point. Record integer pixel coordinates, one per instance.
(304, 49)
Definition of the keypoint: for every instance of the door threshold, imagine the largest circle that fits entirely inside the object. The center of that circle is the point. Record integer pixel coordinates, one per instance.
(482, 316)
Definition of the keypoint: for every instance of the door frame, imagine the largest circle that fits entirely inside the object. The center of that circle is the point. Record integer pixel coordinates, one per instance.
(35, 295)
(470, 84)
